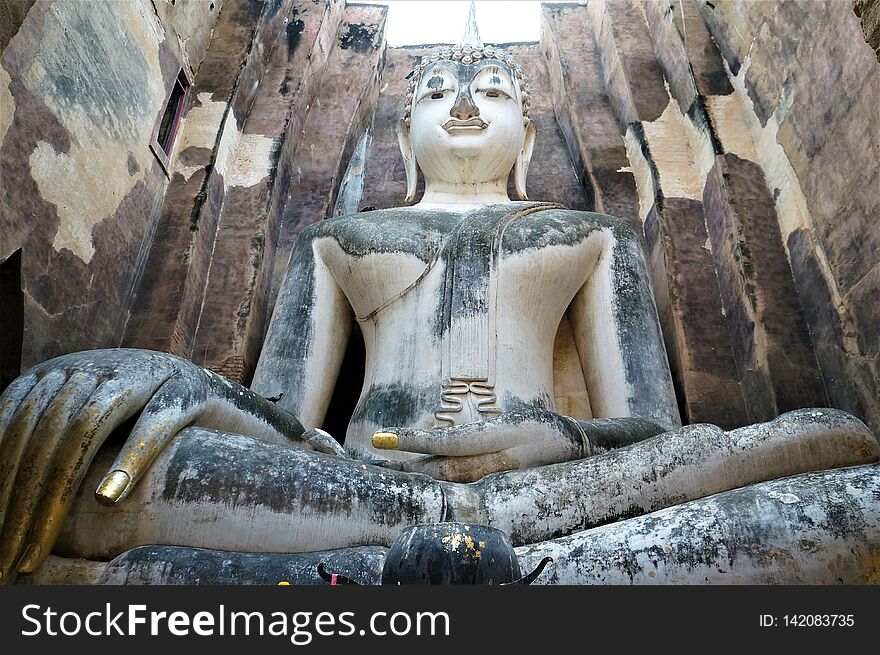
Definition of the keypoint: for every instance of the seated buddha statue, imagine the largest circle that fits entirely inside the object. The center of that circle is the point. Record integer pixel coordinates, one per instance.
(515, 377)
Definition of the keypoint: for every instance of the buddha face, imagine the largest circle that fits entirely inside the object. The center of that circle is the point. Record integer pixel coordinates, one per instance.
(467, 124)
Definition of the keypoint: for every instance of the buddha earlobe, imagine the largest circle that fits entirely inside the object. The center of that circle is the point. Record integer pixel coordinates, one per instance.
(409, 160)
(521, 168)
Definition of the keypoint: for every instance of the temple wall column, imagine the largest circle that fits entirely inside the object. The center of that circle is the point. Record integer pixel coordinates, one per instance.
(169, 299)
(340, 114)
(255, 226)
(808, 84)
(266, 67)
(585, 115)
(651, 89)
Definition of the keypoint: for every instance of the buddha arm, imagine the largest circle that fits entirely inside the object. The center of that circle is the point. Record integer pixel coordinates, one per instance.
(618, 337)
(307, 336)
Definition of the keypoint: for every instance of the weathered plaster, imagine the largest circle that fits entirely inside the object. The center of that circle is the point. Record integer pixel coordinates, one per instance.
(242, 159)
(88, 183)
(199, 130)
(7, 102)
(253, 163)
(642, 169)
(682, 153)
(730, 125)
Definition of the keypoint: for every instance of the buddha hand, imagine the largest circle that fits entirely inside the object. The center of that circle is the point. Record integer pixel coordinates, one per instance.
(54, 419)
(513, 440)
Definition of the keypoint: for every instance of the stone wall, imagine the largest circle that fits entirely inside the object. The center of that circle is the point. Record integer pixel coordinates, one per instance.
(202, 294)
(808, 85)
(82, 89)
(740, 136)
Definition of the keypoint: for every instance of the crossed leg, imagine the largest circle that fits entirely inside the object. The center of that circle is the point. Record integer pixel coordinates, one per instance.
(229, 492)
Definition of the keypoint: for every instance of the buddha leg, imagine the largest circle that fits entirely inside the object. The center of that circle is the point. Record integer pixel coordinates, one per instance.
(817, 528)
(691, 462)
(229, 492)
(154, 565)
(814, 528)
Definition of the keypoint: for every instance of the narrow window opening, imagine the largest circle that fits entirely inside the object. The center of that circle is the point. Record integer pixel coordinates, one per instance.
(171, 117)
(162, 144)
(11, 319)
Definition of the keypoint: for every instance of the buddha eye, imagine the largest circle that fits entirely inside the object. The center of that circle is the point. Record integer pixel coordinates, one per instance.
(436, 96)
(492, 94)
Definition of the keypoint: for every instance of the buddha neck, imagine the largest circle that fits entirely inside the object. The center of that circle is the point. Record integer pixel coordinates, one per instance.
(463, 196)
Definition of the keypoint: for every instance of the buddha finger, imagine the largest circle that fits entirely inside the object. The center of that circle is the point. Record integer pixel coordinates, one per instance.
(462, 469)
(458, 440)
(323, 442)
(36, 465)
(21, 427)
(177, 403)
(12, 397)
(111, 404)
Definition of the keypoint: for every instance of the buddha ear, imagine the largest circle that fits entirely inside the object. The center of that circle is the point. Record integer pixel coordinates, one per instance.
(521, 168)
(409, 160)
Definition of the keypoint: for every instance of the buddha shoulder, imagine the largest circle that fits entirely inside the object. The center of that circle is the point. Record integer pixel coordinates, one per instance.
(553, 227)
(395, 230)
(423, 233)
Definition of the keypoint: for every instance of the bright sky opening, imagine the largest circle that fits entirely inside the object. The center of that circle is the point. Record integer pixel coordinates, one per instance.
(419, 22)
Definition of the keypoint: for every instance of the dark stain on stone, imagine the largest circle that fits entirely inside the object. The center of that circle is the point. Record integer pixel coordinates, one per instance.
(284, 87)
(735, 65)
(358, 37)
(702, 120)
(133, 166)
(436, 82)
(639, 133)
(715, 82)
(293, 30)
(195, 156)
(395, 405)
(199, 201)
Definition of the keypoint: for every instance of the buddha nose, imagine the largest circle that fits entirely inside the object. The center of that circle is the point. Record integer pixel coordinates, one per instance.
(464, 107)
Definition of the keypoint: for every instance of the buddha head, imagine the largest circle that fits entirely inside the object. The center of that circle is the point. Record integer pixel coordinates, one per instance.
(466, 120)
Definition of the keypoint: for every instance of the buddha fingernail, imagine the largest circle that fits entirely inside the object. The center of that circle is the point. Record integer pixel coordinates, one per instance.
(385, 441)
(113, 487)
(28, 561)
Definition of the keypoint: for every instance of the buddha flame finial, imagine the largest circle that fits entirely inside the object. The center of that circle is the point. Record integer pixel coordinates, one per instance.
(471, 30)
